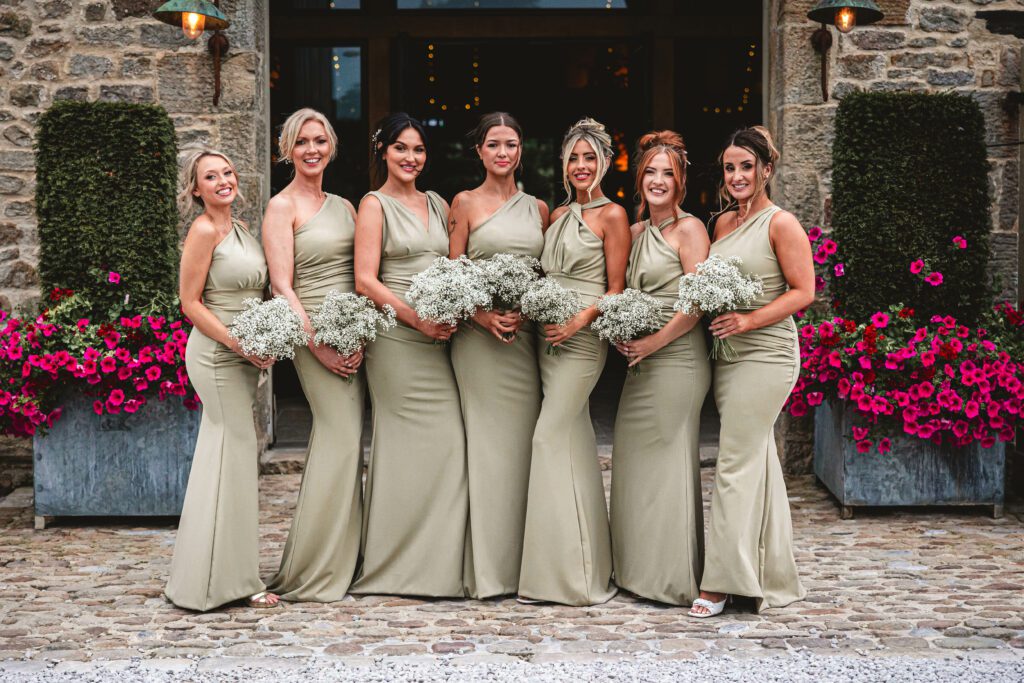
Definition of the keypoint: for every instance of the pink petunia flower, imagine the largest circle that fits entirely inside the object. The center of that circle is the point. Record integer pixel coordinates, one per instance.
(830, 247)
(960, 242)
(864, 446)
(916, 266)
(884, 446)
(934, 278)
(113, 277)
(840, 269)
(814, 234)
(880, 319)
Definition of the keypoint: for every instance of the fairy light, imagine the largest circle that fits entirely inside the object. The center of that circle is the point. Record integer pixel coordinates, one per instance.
(476, 78)
(745, 95)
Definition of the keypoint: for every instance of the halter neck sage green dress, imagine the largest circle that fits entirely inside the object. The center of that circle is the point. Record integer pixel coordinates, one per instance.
(750, 536)
(415, 504)
(320, 556)
(657, 513)
(567, 555)
(216, 552)
(499, 386)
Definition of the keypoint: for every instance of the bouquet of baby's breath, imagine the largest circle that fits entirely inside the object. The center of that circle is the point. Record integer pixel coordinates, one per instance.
(718, 286)
(548, 303)
(506, 278)
(627, 316)
(270, 329)
(347, 322)
(448, 291)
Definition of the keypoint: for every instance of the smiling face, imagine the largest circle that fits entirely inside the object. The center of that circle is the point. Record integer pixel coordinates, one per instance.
(406, 156)
(744, 178)
(659, 183)
(312, 150)
(216, 182)
(581, 167)
(500, 151)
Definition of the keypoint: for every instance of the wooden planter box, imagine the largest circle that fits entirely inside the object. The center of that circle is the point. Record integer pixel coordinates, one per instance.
(916, 472)
(114, 465)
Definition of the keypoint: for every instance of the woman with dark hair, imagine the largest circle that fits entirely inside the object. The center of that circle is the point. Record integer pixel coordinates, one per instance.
(567, 555)
(657, 514)
(495, 362)
(749, 548)
(415, 503)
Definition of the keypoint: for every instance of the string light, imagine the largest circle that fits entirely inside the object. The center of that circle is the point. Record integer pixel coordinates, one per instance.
(476, 78)
(745, 95)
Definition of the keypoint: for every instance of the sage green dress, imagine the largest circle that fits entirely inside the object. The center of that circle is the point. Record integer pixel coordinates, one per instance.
(567, 555)
(415, 503)
(499, 386)
(657, 513)
(320, 556)
(216, 552)
(750, 536)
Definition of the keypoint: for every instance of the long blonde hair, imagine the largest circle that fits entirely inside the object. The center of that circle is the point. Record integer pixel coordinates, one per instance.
(290, 133)
(594, 134)
(188, 179)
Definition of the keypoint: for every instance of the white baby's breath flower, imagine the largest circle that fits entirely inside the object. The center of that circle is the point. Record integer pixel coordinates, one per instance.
(449, 290)
(269, 329)
(548, 303)
(347, 322)
(507, 277)
(718, 286)
(627, 316)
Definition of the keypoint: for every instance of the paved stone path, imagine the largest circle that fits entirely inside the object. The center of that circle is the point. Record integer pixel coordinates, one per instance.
(923, 584)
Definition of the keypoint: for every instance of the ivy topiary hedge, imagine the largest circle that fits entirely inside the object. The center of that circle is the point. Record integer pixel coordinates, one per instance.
(106, 177)
(910, 173)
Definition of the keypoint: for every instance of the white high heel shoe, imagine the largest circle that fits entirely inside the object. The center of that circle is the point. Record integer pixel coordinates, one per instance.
(714, 608)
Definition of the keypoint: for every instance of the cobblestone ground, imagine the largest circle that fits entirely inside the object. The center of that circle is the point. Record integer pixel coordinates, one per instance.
(909, 583)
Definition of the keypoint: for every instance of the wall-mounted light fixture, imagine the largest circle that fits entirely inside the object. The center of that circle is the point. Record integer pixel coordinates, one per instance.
(194, 17)
(844, 15)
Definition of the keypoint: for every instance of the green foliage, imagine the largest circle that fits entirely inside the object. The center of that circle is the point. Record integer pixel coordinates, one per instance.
(106, 176)
(909, 174)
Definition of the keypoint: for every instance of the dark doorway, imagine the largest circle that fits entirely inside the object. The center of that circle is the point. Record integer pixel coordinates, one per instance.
(633, 65)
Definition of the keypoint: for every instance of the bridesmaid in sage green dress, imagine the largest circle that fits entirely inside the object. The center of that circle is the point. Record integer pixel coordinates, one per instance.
(567, 556)
(216, 552)
(414, 518)
(308, 240)
(750, 536)
(499, 384)
(657, 513)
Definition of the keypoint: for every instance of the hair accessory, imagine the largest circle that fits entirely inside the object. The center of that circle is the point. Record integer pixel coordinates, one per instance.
(375, 138)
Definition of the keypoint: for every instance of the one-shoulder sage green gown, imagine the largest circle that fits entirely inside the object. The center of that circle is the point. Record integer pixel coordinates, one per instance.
(415, 503)
(657, 513)
(567, 555)
(216, 552)
(749, 548)
(320, 556)
(499, 386)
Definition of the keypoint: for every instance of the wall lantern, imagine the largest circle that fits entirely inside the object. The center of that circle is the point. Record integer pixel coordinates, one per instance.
(194, 17)
(844, 15)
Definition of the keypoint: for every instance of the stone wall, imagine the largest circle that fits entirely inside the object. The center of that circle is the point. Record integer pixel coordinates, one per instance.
(114, 51)
(921, 46)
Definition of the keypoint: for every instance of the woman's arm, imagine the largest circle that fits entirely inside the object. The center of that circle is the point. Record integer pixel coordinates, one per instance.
(196, 256)
(793, 251)
(458, 227)
(369, 238)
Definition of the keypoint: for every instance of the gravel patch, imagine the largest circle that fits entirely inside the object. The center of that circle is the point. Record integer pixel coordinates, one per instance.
(794, 668)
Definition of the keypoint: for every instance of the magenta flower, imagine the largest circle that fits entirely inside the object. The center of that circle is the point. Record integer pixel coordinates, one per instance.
(814, 234)
(884, 446)
(916, 266)
(97, 407)
(840, 269)
(863, 446)
(960, 242)
(798, 409)
(934, 279)
(153, 373)
(860, 433)
(114, 278)
(116, 397)
(108, 364)
(830, 247)
(820, 255)
(880, 319)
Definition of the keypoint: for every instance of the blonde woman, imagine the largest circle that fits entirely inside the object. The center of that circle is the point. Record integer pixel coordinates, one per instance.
(656, 508)
(216, 552)
(495, 361)
(414, 520)
(308, 238)
(567, 545)
(750, 536)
